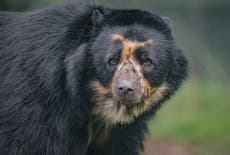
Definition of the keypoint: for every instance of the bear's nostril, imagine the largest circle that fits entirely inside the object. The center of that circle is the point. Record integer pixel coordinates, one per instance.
(125, 90)
(125, 87)
(130, 90)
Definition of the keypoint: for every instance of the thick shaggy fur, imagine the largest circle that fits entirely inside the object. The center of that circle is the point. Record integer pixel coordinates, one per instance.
(49, 59)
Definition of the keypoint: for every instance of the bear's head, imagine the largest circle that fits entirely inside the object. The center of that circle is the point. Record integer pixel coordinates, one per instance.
(136, 62)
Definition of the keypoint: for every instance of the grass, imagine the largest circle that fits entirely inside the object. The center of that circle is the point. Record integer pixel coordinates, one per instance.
(198, 113)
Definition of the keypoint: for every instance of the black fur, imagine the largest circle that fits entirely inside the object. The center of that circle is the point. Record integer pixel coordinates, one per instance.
(46, 60)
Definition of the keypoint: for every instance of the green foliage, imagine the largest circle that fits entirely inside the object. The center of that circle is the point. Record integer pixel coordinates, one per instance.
(198, 113)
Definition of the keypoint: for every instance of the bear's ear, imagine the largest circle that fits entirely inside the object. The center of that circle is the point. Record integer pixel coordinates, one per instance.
(97, 17)
(167, 21)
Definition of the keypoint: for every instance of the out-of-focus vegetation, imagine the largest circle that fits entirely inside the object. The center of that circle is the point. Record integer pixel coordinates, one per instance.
(199, 112)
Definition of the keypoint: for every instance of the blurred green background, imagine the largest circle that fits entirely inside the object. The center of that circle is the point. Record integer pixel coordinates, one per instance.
(199, 114)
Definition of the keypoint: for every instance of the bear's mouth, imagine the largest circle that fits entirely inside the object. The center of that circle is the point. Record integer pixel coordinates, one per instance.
(129, 105)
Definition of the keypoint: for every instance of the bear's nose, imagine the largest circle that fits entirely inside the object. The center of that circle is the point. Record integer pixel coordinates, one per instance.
(125, 89)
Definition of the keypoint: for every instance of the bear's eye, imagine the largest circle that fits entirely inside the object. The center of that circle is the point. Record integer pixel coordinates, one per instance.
(112, 61)
(147, 62)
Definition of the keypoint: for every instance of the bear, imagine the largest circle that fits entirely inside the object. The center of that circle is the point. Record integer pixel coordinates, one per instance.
(77, 79)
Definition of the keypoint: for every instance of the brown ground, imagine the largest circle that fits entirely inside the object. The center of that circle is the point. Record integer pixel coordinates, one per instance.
(159, 147)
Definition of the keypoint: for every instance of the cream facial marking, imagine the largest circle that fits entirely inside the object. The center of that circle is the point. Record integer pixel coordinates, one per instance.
(129, 46)
(107, 108)
(127, 54)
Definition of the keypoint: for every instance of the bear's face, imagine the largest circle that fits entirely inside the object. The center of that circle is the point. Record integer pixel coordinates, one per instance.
(131, 65)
